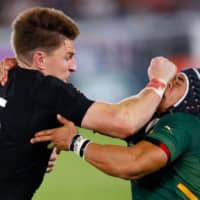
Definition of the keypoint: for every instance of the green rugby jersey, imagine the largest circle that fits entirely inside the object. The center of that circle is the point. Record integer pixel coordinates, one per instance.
(180, 179)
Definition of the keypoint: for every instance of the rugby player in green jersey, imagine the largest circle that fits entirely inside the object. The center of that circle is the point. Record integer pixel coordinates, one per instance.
(163, 159)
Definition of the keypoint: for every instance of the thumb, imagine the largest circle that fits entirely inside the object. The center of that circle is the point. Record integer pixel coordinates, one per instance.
(62, 120)
(58, 151)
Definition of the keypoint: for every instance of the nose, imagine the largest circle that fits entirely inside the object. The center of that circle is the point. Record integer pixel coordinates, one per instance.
(73, 66)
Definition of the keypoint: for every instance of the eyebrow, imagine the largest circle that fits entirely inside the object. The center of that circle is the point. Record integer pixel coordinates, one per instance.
(181, 78)
(70, 53)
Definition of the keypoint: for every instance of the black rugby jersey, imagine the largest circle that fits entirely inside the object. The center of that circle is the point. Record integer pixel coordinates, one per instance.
(28, 103)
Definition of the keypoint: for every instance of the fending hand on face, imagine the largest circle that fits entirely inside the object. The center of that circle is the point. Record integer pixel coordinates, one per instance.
(60, 138)
(162, 68)
(5, 66)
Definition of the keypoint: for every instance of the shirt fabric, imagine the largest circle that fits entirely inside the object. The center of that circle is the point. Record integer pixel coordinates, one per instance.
(180, 179)
(29, 103)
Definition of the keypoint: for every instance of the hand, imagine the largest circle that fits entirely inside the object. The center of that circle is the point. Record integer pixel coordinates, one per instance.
(5, 66)
(52, 161)
(59, 137)
(162, 69)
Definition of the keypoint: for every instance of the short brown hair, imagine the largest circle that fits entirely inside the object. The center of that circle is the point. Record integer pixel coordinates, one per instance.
(40, 28)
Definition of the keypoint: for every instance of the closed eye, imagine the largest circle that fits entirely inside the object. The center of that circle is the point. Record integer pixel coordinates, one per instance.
(179, 80)
(69, 56)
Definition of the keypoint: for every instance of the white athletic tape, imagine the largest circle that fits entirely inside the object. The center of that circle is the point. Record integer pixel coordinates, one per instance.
(3, 102)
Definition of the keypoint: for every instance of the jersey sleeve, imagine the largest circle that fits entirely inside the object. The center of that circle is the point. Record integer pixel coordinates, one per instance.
(171, 131)
(72, 104)
(65, 99)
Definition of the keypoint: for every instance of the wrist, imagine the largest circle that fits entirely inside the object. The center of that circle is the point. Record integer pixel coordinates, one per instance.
(157, 85)
(78, 145)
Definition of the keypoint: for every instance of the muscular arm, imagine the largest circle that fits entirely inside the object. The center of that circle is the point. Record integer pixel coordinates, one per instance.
(128, 116)
(124, 118)
(126, 162)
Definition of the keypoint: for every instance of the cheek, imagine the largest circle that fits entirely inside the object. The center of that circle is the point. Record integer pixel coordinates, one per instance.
(174, 96)
(58, 66)
(51, 64)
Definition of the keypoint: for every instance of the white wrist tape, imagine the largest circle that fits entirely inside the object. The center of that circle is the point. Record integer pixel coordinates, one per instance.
(78, 145)
(158, 85)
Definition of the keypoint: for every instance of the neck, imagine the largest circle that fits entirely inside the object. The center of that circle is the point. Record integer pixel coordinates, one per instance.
(25, 65)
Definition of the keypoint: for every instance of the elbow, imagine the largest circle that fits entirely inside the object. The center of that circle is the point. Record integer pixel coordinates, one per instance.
(120, 174)
(129, 175)
(124, 127)
(129, 171)
(122, 131)
(126, 173)
(126, 124)
(126, 132)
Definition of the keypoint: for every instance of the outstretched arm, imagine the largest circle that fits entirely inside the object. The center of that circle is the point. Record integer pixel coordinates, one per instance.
(124, 162)
(128, 116)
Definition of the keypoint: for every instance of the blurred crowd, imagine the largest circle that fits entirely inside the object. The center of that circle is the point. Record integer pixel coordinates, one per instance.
(118, 39)
(84, 9)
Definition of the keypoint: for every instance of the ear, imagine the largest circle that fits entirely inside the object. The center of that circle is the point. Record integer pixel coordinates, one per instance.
(39, 60)
(170, 84)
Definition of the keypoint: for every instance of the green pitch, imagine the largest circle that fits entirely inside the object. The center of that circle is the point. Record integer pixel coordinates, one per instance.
(75, 179)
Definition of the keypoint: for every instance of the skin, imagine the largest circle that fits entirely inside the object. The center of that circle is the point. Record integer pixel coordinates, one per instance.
(124, 162)
(175, 90)
(59, 63)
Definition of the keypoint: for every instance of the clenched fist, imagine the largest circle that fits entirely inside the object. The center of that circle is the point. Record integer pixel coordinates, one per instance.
(162, 69)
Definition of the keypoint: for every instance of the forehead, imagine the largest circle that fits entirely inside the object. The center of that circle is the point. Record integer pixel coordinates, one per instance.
(66, 47)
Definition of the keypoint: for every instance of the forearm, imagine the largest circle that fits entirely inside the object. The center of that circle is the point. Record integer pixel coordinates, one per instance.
(126, 162)
(138, 111)
(122, 119)
(110, 159)
(128, 116)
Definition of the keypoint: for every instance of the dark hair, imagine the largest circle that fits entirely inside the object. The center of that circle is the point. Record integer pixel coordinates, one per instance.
(190, 102)
(40, 28)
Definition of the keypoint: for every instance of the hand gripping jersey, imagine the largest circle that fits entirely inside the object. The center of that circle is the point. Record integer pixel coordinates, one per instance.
(28, 103)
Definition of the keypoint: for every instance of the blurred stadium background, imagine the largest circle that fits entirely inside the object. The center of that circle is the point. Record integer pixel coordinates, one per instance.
(118, 39)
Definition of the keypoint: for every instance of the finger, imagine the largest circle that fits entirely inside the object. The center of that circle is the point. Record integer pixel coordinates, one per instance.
(53, 159)
(53, 155)
(3, 81)
(41, 139)
(3, 78)
(44, 132)
(51, 164)
(58, 151)
(62, 120)
(49, 169)
(2, 70)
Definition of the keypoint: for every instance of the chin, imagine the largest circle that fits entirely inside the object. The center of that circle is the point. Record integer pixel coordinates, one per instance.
(64, 80)
(161, 108)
